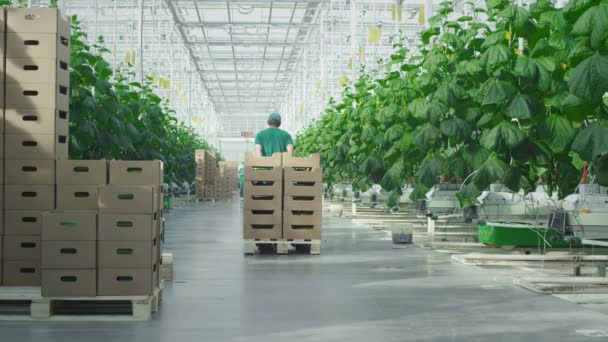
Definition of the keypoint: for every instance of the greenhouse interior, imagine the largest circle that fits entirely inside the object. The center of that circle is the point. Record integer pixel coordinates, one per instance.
(323, 170)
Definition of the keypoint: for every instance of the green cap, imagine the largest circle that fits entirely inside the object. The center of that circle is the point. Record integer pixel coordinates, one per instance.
(275, 117)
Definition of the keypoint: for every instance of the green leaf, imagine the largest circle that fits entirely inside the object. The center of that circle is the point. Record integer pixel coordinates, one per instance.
(589, 80)
(592, 141)
(494, 38)
(475, 155)
(395, 132)
(497, 92)
(393, 178)
(557, 132)
(369, 133)
(418, 108)
(512, 179)
(600, 170)
(434, 111)
(503, 137)
(555, 18)
(491, 170)
(426, 137)
(468, 195)
(430, 170)
(525, 67)
(451, 94)
(419, 192)
(456, 128)
(599, 31)
(427, 34)
(494, 57)
(521, 107)
(568, 178)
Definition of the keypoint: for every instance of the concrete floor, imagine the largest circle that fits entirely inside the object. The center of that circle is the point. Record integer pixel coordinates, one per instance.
(359, 289)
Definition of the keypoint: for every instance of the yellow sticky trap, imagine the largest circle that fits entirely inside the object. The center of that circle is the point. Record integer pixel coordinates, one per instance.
(128, 57)
(350, 63)
(374, 35)
(421, 16)
(517, 52)
(343, 81)
(508, 36)
(564, 66)
(397, 12)
(361, 53)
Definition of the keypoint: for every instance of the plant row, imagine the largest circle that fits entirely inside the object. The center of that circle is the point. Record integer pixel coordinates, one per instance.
(472, 105)
(113, 117)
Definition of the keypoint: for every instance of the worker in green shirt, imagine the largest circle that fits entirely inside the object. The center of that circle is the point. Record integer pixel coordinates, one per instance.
(273, 139)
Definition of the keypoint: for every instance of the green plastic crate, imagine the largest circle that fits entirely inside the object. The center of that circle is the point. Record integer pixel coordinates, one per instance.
(520, 235)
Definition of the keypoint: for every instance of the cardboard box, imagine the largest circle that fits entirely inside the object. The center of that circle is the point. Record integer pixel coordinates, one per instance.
(271, 202)
(303, 203)
(69, 254)
(38, 70)
(37, 96)
(271, 174)
(30, 172)
(125, 199)
(20, 248)
(37, 121)
(21, 273)
(136, 173)
(254, 161)
(69, 283)
(126, 254)
(127, 227)
(69, 226)
(312, 161)
(82, 172)
(36, 20)
(253, 188)
(38, 46)
(29, 197)
(262, 226)
(296, 188)
(297, 226)
(311, 175)
(126, 281)
(23, 222)
(77, 197)
(35, 147)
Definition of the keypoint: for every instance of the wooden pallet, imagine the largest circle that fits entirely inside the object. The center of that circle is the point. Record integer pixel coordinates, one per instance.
(27, 303)
(281, 246)
(564, 285)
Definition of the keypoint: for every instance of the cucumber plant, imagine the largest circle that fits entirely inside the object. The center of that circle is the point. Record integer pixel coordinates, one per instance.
(472, 102)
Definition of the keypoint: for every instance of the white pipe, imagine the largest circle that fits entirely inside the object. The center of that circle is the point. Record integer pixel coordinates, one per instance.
(594, 242)
(140, 48)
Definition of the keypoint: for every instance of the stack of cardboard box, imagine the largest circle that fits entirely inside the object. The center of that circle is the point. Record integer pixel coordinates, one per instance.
(282, 198)
(302, 200)
(226, 180)
(205, 174)
(105, 239)
(69, 234)
(263, 197)
(35, 132)
(130, 212)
